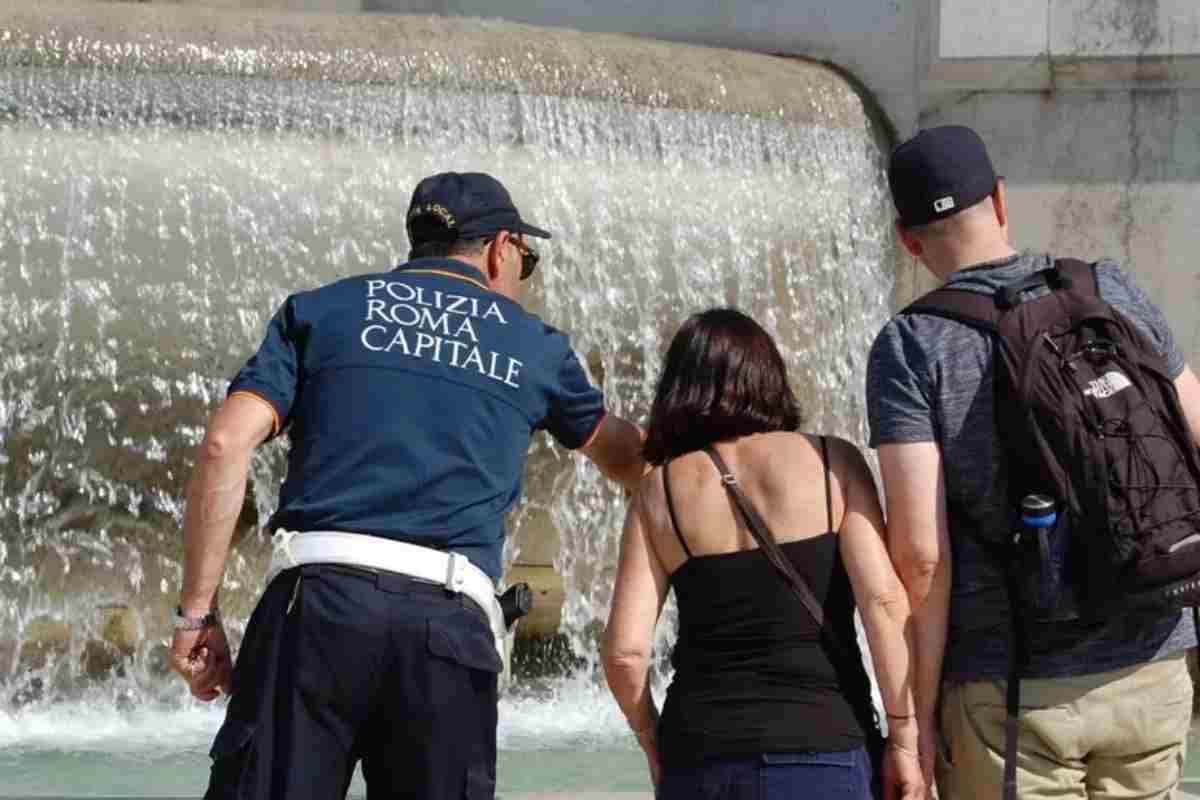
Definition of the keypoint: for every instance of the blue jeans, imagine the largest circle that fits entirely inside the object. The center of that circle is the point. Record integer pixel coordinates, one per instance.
(839, 775)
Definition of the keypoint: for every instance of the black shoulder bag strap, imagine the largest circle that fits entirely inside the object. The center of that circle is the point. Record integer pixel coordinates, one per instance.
(766, 542)
(841, 653)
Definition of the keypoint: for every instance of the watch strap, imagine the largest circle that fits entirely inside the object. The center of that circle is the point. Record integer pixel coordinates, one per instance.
(182, 622)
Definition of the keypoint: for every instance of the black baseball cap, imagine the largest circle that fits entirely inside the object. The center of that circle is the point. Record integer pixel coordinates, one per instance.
(938, 173)
(463, 205)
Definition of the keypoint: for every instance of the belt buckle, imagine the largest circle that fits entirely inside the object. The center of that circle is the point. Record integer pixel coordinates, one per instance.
(456, 572)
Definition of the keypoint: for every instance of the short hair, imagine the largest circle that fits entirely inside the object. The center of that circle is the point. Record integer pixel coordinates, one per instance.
(723, 378)
(440, 249)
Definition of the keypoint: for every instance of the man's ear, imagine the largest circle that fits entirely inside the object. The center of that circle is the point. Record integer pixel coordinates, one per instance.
(911, 243)
(495, 254)
(1000, 203)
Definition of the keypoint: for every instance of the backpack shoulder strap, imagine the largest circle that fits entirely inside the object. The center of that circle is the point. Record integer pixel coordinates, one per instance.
(1079, 276)
(961, 305)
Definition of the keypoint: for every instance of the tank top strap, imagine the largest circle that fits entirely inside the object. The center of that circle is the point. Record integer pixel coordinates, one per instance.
(828, 484)
(671, 509)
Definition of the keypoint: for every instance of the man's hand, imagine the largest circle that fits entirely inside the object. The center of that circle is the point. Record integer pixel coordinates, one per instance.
(928, 749)
(649, 743)
(202, 658)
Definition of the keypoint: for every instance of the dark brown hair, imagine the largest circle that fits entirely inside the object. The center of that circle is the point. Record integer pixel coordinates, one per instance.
(723, 378)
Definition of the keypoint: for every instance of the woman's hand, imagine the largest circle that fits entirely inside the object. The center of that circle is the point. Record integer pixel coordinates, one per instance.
(903, 778)
(649, 744)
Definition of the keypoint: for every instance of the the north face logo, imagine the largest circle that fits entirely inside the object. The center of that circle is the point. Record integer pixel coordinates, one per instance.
(1107, 385)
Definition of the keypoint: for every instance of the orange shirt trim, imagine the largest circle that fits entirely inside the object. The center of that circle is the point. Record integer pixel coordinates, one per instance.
(267, 403)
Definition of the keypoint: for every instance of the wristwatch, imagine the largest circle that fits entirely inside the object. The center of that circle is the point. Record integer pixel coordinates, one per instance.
(183, 622)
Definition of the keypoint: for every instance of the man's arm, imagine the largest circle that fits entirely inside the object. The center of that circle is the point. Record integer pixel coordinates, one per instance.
(215, 495)
(1188, 388)
(616, 448)
(919, 544)
(214, 500)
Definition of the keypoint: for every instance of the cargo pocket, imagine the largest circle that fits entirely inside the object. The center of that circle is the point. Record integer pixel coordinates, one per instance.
(480, 786)
(232, 755)
(465, 640)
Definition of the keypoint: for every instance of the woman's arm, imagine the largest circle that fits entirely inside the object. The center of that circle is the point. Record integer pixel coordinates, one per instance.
(883, 606)
(638, 595)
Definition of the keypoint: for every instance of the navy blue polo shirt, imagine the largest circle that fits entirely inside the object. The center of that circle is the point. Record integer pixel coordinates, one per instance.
(410, 398)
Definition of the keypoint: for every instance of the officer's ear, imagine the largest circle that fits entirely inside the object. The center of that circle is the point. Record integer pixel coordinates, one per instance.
(495, 257)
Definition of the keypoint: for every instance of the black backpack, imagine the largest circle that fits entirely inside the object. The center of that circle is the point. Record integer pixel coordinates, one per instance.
(1092, 427)
(1090, 417)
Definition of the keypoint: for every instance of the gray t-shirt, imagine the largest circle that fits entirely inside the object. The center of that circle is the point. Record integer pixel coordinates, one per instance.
(930, 379)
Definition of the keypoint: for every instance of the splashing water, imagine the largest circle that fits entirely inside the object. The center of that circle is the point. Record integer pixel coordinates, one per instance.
(161, 197)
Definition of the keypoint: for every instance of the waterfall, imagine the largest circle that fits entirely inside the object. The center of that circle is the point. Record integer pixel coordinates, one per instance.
(168, 176)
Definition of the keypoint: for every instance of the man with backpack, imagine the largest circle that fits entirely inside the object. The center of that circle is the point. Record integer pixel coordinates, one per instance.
(1034, 423)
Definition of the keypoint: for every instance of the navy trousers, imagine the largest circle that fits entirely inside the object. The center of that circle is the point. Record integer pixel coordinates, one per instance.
(841, 775)
(340, 665)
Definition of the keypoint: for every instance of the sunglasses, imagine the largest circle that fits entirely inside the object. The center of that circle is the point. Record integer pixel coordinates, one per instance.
(529, 256)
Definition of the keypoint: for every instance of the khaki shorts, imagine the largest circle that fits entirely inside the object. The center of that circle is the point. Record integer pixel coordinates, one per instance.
(1119, 734)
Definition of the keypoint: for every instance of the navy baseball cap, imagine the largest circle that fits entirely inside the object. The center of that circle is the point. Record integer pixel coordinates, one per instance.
(463, 205)
(938, 173)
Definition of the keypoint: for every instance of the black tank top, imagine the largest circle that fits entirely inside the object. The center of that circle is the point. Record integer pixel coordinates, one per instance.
(751, 673)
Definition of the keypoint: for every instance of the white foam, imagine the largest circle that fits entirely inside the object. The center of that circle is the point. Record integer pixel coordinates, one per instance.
(87, 727)
(575, 714)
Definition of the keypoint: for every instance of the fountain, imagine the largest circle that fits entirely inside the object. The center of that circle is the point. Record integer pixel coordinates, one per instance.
(168, 175)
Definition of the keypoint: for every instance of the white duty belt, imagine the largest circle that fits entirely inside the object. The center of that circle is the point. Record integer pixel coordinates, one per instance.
(452, 570)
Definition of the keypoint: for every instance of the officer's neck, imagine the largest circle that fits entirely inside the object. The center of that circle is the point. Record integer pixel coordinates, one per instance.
(495, 279)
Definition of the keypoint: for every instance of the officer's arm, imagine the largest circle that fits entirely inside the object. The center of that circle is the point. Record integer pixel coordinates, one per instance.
(215, 495)
(616, 448)
(1188, 388)
(919, 544)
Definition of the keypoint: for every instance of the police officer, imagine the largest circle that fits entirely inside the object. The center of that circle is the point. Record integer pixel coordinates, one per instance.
(410, 398)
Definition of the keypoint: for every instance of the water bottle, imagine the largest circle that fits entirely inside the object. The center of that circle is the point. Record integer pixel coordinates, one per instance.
(1038, 511)
(1046, 546)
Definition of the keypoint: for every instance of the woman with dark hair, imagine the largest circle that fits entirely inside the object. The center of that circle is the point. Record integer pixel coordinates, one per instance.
(770, 698)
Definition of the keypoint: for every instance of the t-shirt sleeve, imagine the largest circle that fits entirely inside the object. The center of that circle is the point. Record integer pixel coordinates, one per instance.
(1118, 289)
(271, 373)
(898, 390)
(576, 407)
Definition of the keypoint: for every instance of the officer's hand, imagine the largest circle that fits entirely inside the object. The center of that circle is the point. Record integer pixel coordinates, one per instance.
(202, 658)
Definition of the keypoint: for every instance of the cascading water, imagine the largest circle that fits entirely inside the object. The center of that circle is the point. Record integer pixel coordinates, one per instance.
(167, 177)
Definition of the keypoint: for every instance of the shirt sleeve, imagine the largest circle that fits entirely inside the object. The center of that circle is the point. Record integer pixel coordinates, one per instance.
(1119, 290)
(271, 373)
(576, 407)
(899, 409)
